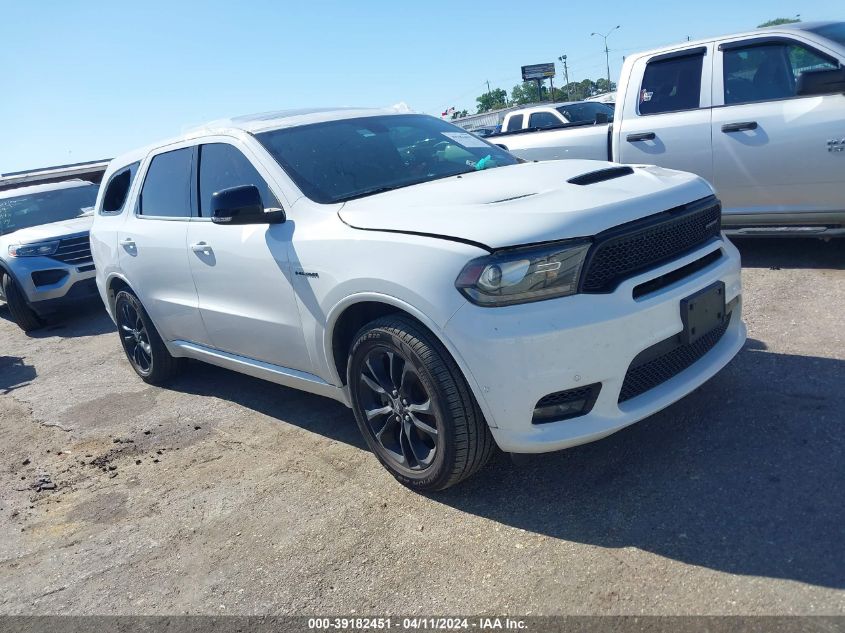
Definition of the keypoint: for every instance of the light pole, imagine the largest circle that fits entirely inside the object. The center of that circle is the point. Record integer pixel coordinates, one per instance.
(562, 60)
(606, 51)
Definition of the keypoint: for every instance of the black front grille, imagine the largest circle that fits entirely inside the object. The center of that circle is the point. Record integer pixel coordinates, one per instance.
(642, 376)
(631, 248)
(74, 250)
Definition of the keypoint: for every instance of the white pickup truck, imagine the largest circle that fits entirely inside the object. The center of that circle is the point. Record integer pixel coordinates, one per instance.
(583, 121)
(761, 115)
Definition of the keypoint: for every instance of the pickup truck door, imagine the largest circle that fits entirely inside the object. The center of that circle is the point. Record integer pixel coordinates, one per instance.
(666, 113)
(771, 152)
(242, 273)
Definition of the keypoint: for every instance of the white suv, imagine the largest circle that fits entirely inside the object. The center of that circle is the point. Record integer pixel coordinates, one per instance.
(449, 293)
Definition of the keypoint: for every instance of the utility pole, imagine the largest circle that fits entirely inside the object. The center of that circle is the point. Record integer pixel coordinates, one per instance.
(489, 94)
(606, 51)
(562, 60)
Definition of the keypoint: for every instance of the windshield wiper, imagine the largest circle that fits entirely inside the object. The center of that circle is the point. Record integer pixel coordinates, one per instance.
(365, 192)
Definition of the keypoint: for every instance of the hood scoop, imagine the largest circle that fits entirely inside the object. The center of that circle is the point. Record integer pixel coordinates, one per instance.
(600, 175)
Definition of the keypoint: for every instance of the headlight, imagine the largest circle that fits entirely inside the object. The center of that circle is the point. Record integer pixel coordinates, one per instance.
(33, 250)
(521, 275)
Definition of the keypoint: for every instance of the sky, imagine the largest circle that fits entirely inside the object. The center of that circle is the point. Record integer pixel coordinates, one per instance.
(85, 80)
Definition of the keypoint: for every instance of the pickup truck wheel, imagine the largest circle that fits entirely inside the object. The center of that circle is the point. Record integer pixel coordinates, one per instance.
(143, 346)
(22, 314)
(413, 406)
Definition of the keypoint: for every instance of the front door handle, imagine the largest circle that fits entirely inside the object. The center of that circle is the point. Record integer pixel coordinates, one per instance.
(201, 247)
(642, 136)
(739, 127)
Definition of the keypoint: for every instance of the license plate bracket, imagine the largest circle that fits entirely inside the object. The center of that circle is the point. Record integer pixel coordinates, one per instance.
(702, 312)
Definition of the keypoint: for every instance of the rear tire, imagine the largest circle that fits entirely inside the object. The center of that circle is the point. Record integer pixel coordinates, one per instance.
(414, 407)
(141, 342)
(22, 314)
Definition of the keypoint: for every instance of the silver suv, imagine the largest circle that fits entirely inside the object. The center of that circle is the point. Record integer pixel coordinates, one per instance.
(45, 253)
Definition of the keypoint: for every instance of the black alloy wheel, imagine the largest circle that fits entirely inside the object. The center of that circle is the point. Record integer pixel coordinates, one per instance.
(398, 409)
(414, 407)
(141, 342)
(135, 339)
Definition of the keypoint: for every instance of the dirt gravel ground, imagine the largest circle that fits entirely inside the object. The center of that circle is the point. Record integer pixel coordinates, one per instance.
(224, 494)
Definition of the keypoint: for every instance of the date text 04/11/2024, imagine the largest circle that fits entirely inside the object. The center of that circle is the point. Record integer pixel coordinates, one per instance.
(416, 624)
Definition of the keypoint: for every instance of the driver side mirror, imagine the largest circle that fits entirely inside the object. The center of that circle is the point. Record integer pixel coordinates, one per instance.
(821, 82)
(242, 205)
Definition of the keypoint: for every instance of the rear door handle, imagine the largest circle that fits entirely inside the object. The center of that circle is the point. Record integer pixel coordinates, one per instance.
(127, 242)
(642, 136)
(739, 127)
(201, 247)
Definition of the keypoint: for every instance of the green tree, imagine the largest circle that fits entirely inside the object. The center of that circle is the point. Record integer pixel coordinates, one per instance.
(459, 114)
(779, 21)
(602, 86)
(493, 100)
(573, 91)
(526, 92)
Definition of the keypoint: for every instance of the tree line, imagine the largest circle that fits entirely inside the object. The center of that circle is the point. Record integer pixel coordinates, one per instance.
(526, 92)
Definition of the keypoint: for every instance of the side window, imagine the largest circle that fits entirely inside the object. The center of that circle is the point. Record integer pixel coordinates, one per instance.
(117, 189)
(515, 122)
(543, 120)
(671, 85)
(223, 166)
(167, 187)
(767, 72)
(803, 59)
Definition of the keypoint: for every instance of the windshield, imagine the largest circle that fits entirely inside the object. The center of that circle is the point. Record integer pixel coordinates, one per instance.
(22, 212)
(835, 32)
(581, 112)
(340, 160)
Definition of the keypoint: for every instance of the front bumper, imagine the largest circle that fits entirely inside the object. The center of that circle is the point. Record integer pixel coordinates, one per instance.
(516, 355)
(76, 282)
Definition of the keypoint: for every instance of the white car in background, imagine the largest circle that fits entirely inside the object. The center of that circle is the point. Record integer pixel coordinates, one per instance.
(450, 294)
(45, 257)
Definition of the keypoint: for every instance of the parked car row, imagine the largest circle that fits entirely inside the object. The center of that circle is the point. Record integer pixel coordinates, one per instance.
(45, 256)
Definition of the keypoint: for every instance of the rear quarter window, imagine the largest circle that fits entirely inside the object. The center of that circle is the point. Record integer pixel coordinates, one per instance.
(514, 123)
(117, 190)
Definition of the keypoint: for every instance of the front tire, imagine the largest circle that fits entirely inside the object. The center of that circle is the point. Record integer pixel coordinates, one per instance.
(414, 407)
(22, 314)
(141, 342)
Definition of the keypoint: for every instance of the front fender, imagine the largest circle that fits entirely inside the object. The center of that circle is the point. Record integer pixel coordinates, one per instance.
(334, 315)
